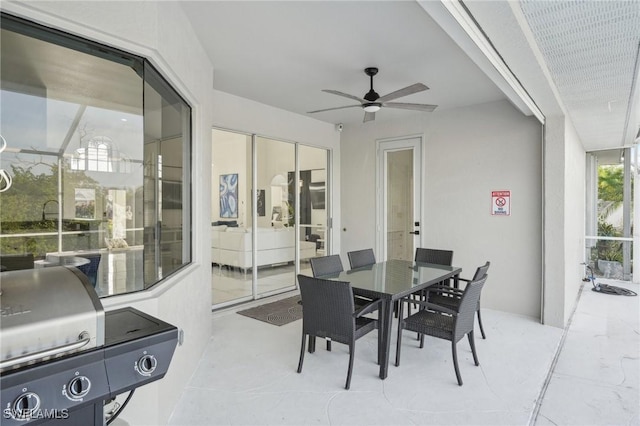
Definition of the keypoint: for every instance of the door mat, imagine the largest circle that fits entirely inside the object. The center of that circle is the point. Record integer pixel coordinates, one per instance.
(280, 312)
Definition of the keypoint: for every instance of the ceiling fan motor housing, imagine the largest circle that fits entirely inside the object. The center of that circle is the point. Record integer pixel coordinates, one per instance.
(371, 95)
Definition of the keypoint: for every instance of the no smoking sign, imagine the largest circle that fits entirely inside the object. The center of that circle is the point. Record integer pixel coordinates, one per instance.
(501, 203)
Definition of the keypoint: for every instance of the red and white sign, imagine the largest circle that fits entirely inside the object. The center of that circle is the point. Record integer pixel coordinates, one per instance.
(501, 203)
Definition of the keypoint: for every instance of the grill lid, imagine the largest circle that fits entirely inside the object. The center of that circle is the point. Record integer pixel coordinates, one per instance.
(47, 312)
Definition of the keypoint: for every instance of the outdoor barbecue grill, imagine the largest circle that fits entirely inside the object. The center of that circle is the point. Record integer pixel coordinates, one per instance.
(62, 356)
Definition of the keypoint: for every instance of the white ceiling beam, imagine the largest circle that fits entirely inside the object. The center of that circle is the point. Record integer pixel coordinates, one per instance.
(454, 19)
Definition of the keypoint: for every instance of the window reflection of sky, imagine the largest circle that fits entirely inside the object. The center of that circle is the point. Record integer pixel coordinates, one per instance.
(39, 124)
(36, 123)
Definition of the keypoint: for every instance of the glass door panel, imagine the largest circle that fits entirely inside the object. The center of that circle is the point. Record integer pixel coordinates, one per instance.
(231, 218)
(399, 205)
(275, 235)
(314, 233)
(609, 218)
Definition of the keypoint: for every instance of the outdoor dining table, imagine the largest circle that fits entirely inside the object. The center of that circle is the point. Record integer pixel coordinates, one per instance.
(389, 281)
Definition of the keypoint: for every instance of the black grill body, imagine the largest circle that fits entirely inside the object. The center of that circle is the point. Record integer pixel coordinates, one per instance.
(71, 390)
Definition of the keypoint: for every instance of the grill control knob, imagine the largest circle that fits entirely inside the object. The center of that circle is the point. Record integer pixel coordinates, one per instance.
(147, 365)
(79, 386)
(26, 406)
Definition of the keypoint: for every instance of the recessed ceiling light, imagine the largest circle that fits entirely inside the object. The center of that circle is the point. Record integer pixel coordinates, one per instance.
(123, 119)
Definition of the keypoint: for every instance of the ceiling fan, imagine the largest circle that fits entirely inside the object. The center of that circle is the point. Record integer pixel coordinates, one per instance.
(372, 102)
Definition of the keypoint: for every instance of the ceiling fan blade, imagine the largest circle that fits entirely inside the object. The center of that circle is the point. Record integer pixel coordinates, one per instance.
(406, 105)
(369, 116)
(331, 109)
(344, 95)
(414, 88)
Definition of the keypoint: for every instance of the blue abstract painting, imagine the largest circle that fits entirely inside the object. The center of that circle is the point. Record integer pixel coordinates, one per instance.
(229, 195)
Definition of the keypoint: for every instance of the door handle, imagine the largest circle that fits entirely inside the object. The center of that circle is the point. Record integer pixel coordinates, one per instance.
(417, 232)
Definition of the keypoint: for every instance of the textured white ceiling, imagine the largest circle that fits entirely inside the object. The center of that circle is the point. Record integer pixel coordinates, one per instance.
(591, 50)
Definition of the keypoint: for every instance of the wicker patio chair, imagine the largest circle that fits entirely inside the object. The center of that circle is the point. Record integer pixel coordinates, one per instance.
(435, 256)
(443, 323)
(359, 258)
(320, 266)
(328, 311)
(326, 265)
(332, 265)
(450, 298)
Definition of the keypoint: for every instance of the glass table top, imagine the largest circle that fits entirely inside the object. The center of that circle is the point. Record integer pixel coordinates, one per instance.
(395, 278)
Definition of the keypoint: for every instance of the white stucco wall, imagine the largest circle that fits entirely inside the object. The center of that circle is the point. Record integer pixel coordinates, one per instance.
(555, 299)
(575, 223)
(160, 32)
(565, 186)
(469, 153)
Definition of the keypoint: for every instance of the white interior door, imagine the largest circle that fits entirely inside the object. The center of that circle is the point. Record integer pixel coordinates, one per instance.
(399, 198)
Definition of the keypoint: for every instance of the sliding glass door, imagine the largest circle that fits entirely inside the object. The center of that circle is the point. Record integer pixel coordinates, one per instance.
(275, 221)
(269, 217)
(312, 185)
(231, 245)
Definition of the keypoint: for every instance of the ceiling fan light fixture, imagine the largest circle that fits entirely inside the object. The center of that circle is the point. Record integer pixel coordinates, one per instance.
(371, 107)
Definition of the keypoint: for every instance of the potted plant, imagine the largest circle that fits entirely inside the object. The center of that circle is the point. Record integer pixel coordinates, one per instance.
(609, 252)
(610, 262)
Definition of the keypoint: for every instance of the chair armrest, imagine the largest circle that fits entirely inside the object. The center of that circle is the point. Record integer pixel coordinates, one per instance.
(445, 290)
(438, 308)
(413, 301)
(465, 280)
(370, 307)
(429, 305)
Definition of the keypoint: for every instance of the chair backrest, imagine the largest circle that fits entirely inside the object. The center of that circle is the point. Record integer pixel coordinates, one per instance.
(360, 258)
(16, 262)
(327, 308)
(468, 307)
(91, 269)
(326, 265)
(481, 271)
(436, 256)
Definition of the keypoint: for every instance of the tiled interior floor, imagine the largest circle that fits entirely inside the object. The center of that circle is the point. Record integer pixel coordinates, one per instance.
(229, 284)
(247, 375)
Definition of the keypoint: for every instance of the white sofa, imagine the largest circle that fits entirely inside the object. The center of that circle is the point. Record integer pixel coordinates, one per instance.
(232, 246)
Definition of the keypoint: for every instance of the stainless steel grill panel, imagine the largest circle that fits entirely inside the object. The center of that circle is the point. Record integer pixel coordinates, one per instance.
(46, 313)
(62, 356)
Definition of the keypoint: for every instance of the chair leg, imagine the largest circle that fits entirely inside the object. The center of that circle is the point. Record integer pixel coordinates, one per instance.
(352, 350)
(472, 343)
(312, 344)
(302, 348)
(421, 341)
(455, 362)
(480, 323)
(329, 345)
